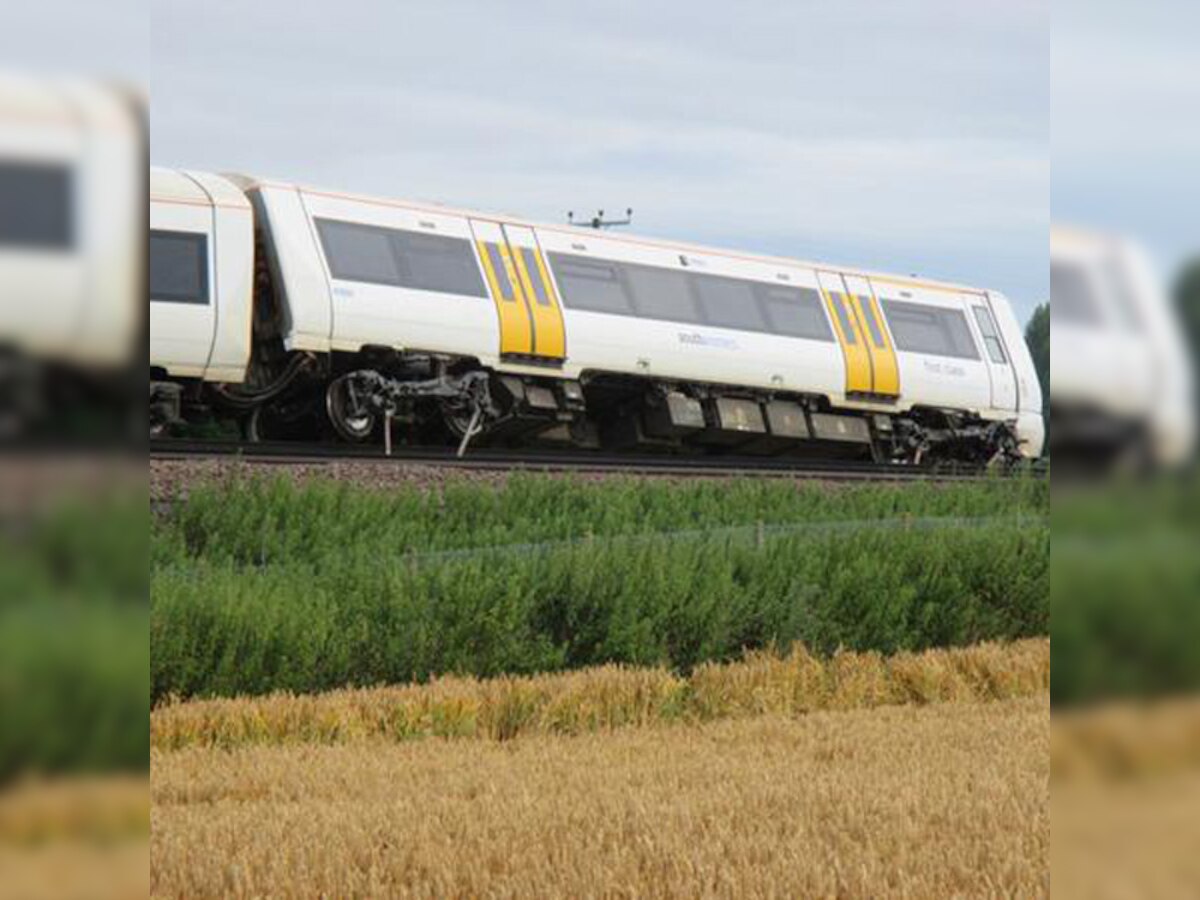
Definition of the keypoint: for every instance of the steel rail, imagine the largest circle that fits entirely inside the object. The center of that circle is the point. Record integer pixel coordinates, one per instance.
(487, 459)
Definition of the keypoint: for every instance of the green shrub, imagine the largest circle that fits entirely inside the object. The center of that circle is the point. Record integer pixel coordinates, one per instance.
(271, 587)
(74, 659)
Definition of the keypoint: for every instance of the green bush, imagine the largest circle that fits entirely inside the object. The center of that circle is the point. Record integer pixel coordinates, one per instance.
(74, 659)
(264, 586)
(1125, 591)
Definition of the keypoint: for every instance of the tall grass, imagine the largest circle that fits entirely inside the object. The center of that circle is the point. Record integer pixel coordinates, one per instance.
(263, 586)
(263, 521)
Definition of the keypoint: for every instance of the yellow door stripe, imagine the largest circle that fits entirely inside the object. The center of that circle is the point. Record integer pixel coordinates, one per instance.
(858, 360)
(516, 334)
(883, 356)
(522, 294)
(551, 339)
(548, 338)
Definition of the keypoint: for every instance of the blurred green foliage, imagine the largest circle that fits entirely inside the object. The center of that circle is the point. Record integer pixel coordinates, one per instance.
(1187, 299)
(264, 586)
(1037, 336)
(74, 659)
(1125, 590)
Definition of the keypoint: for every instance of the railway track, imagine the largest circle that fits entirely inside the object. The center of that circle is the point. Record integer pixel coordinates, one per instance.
(288, 453)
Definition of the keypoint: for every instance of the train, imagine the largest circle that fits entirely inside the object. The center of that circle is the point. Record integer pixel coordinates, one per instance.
(1122, 380)
(301, 312)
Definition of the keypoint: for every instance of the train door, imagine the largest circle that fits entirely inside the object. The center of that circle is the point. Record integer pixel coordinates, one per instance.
(529, 313)
(512, 311)
(545, 312)
(885, 370)
(995, 353)
(850, 333)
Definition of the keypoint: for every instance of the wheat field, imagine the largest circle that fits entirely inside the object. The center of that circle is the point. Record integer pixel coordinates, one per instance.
(943, 800)
(608, 697)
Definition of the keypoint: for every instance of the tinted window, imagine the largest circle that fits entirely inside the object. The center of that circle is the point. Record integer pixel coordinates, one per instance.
(178, 267)
(535, 276)
(501, 273)
(36, 206)
(590, 284)
(423, 262)
(728, 303)
(662, 294)
(843, 314)
(991, 337)
(359, 252)
(795, 312)
(864, 303)
(1071, 296)
(430, 262)
(930, 329)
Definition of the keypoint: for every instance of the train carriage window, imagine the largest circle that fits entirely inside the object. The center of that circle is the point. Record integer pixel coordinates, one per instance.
(662, 294)
(535, 276)
(501, 272)
(431, 262)
(359, 252)
(1072, 297)
(843, 314)
(728, 303)
(930, 329)
(591, 285)
(36, 202)
(991, 337)
(179, 267)
(864, 303)
(795, 312)
(397, 258)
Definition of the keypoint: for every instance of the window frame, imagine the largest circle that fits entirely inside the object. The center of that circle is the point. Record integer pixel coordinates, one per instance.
(203, 295)
(496, 261)
(533, 270)
(634, 309)
(874, 330)
(555, 258)
(906, 307)
(985, 320)
(399, 252)
(807, 296)
(842, 309)
(58, 234)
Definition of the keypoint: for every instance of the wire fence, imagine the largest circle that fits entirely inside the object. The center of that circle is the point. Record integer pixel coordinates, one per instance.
(757, 534)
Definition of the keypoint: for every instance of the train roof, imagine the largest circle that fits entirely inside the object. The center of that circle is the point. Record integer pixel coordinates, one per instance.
(194, 189)
(249, 182)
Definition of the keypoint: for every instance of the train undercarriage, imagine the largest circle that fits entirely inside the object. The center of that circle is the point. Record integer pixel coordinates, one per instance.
(432, 400)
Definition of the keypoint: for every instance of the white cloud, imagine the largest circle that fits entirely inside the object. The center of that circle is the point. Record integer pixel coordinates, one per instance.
(880, 132)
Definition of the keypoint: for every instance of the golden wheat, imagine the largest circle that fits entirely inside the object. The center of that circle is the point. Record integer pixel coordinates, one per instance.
(1126, 800)
(609, 697)
(100, 807)
(939, 801)
(79, 836)
(1127, 740)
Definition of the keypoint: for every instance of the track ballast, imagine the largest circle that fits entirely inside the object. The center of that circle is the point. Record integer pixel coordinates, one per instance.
(489, 459)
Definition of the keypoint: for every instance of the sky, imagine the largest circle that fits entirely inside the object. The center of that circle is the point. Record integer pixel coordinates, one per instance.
(910, 137)
(1126, 135)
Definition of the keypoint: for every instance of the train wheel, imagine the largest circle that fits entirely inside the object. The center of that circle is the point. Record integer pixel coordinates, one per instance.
(348, 412)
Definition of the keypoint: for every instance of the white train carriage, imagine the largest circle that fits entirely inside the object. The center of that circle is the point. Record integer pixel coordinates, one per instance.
(515, 330)
(201, 276)
(71, 173)
(1121, 380)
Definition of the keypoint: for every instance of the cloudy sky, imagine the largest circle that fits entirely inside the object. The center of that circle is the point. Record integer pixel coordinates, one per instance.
(1126, 136)
(906, 136)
